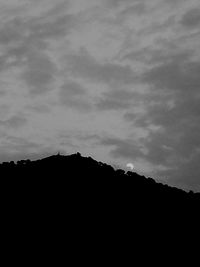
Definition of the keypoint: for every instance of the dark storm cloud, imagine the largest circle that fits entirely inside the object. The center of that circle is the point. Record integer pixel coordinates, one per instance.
(24, 41)
(175, 145)
(18, 148)
(152, 56)
(179, 154)
(176, 111)
(39, 74)
(2, 93)
(2, 62)
(139, 8)
(191, 18)
(19, 31)
(73, 95)
(182, 76)
(116, 100)
(85, 66)
(180, 124)
(188, 176)
(123, 148)
(124, 2)
(54, 28)
(49, 25)
(40, 108)
(18, 144)
(14, 122)
(12, 37)
(12, 31)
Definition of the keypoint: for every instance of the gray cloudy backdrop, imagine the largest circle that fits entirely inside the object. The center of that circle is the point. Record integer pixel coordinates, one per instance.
(118, 80)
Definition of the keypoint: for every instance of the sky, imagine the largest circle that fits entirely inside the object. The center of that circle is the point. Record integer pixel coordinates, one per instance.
(117, 80)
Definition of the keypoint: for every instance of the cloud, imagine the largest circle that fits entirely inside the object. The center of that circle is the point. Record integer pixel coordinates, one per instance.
(85, 66)
(39, 73)
(175, 145)
(172, 107)
(17, 144)
(24, 46)
(18, 148)
(116, 100)
(73, 95)
(18, 30)
(138, 8)
(188, 176)
(158, 55)
(115, 3)
(12, 31)
(191, 18)
(15, 122)
(175, 75)
(40, 108)
(55, 28)
(123, 148)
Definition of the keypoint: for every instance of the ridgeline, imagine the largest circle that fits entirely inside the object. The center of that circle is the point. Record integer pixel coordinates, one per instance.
(85, 177)
(84, 209)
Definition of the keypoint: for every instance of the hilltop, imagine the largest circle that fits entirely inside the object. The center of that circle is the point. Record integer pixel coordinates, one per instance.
(77, 201)
(86, 176)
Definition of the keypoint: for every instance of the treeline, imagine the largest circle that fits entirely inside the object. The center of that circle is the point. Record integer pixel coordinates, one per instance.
(84, 176)
(70, 201)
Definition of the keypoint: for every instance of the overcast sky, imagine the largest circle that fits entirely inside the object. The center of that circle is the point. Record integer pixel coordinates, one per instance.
(118, 80)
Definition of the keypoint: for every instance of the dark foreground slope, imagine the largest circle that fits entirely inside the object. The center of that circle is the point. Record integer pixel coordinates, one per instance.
(75, 209)
(83, 177)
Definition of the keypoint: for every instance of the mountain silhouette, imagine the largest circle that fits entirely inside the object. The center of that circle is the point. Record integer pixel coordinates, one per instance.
(84, 174)
(82, 208)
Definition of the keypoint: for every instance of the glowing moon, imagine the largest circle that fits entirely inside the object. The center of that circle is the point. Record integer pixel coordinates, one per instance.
(130, 166)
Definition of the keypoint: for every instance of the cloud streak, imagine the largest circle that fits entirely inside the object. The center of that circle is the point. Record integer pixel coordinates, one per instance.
(191, 18)
(86, 67)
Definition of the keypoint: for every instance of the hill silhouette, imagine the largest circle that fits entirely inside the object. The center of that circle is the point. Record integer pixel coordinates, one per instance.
(86, 210)
(87, 176)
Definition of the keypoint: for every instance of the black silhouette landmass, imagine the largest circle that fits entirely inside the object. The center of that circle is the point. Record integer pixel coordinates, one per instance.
(87, 178)
(86, 211)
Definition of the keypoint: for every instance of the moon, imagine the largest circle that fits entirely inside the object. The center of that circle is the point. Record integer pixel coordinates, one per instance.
(130, 166)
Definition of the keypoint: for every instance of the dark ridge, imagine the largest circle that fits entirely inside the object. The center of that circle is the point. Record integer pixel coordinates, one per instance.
(86, 210)
(84, 174)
